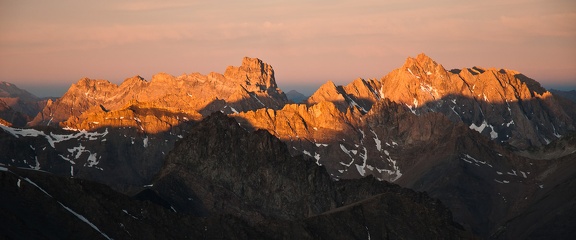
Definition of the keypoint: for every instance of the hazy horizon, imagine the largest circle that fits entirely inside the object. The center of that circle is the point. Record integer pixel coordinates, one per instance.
(45, 46)
(59, 90)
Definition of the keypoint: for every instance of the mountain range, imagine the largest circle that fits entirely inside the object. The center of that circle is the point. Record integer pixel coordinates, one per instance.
(492, 145)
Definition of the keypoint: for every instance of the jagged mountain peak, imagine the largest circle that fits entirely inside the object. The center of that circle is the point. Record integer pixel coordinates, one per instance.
(326, 92)
(253, 71)
(421, 59)
(135, 79)
(359, 94)
(422, 68)
(500, 103)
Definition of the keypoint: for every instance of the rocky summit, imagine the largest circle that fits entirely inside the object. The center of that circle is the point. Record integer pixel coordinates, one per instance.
(491, 144)
(502, 104)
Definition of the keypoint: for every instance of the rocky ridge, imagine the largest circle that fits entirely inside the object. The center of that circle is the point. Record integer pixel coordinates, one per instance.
(89, 103)
(225, 169)
(212, 186)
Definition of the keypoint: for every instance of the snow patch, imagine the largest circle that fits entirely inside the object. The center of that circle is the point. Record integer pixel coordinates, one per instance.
(37, 166)
(480, 129)
(347, 152)
(395, 168)
(510, 123)
(555, 133)
(53, 138)
(92, 161)
(255, 97)
(429, 89)
(354, 104)
(123, 210)
(410, 71)
(413, 107)
(83, 219)
(469, 159)
(361, 168)
(377, 141)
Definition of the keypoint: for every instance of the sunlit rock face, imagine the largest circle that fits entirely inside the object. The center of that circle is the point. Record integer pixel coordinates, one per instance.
(90, 104)
(501, 104)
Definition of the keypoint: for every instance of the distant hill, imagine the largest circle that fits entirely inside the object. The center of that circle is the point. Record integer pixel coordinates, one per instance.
(571, 95)
(296, 96)
(9, 90)
(18, 106)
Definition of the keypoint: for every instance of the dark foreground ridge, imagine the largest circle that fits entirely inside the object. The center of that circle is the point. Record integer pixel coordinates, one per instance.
(222, 182)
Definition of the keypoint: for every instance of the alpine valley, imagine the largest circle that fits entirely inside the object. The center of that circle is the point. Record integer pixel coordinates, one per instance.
(422, 153)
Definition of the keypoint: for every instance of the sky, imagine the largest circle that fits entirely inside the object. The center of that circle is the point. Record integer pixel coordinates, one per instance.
(45, 46)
